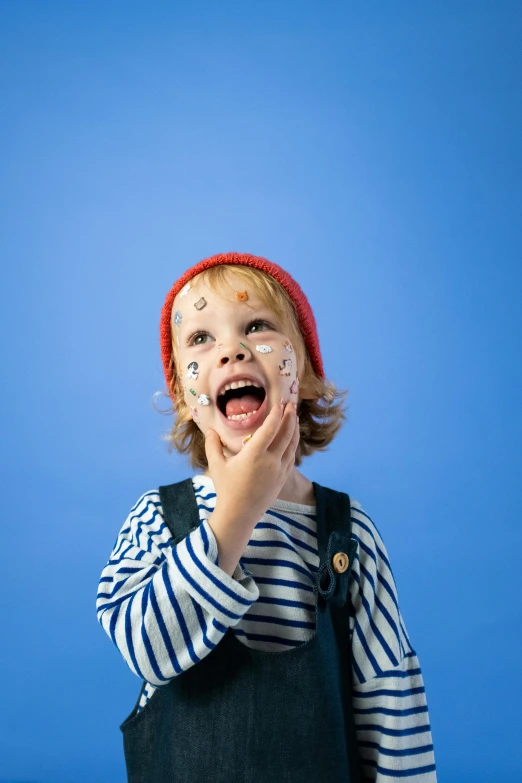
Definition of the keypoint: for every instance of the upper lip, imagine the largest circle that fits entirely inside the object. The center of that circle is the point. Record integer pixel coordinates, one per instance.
(245, 376)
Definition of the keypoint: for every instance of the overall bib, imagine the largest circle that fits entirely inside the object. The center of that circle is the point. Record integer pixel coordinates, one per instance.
(252, 716)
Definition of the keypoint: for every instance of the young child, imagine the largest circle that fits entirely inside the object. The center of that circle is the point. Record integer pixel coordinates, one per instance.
(259, 608)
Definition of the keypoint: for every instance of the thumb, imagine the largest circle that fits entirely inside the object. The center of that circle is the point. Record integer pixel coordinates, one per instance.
(213, 447)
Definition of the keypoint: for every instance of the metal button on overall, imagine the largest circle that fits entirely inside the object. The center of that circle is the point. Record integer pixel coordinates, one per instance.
(340, 561)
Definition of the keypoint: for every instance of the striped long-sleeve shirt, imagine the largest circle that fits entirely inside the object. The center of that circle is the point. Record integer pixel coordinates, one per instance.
(166, 608)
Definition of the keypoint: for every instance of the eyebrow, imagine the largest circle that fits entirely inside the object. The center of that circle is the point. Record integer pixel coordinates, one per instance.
(262, 312)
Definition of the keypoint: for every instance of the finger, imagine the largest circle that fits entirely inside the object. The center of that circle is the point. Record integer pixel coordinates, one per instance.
(289, 454)
(213, 449)
(263, 437)
(286, 431)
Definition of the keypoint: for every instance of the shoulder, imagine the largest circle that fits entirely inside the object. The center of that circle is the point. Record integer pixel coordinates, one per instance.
(366, 531)
(373, 561)
(148, 503)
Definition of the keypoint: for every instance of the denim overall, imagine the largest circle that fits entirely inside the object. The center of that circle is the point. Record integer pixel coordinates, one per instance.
(251, 716)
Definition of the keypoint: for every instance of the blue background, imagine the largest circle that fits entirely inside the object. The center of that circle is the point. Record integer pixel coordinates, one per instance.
(372, 150)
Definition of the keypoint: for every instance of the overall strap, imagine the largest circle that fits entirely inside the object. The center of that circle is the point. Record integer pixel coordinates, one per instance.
(180, 508)
(334, 518)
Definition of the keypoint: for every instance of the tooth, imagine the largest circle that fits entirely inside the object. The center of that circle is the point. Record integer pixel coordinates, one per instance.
(239, 385)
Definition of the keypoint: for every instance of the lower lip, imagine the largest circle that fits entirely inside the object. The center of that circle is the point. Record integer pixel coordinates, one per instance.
(250, 421)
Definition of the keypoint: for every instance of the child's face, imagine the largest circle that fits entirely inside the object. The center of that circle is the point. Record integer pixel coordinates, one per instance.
(218, 339)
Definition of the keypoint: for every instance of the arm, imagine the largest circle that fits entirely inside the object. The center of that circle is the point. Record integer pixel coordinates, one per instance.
(389, 699)
(166, 608)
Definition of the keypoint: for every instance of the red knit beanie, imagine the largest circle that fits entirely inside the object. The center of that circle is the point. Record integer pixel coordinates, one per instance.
(304, 311)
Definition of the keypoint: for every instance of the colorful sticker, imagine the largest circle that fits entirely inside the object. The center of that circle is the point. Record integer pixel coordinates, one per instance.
(192, 392)
(242, 345)
(241, 296)
(204, 399)
(220, 346)
(200, 304)
(263, 348)
(286, 367)
(193, 371)
(194, 412)
(245, 440)
(177, 317)
(288, 345)
(293, 387)
(184, 291)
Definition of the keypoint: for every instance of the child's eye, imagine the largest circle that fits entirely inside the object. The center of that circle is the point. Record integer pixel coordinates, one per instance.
(194, 339)
(253, 323)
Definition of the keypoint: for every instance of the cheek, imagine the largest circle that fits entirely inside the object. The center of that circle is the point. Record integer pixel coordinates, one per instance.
(288, 361)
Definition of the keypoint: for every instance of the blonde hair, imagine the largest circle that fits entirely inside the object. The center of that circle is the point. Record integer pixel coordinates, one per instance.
(320, 418)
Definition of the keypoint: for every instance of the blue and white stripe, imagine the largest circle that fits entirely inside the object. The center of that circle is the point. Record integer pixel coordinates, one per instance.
(166, 608)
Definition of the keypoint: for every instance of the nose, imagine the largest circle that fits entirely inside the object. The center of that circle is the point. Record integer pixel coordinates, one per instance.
(238, 352)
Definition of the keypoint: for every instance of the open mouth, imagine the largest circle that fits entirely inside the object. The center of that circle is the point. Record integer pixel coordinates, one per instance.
(243, 406)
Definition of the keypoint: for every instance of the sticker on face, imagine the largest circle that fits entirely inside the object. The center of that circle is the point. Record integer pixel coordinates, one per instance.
(288, 345)
(193, 392)
(194, 412)
(193, 371)
(200, 304)
(204, 399)
(241, 296)
(285, 368)
(177, 318)
(263, 348)
(293, 387)
(245, 440)
(184, 291)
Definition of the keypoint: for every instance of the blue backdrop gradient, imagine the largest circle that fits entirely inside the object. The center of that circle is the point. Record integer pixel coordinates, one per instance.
(373, 151)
